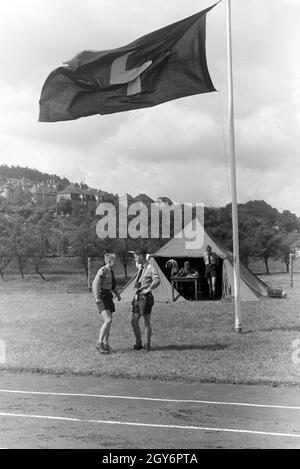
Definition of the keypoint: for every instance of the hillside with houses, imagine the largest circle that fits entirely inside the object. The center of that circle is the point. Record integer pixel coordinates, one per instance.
(40, 188)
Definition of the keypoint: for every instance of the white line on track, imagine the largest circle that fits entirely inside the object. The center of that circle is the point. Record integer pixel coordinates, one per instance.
(137, 398)
(151, 425)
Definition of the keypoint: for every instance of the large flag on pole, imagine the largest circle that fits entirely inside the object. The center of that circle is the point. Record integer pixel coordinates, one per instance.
(164, 65)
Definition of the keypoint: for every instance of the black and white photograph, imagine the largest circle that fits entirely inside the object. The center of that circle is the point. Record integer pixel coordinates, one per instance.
(149, 227)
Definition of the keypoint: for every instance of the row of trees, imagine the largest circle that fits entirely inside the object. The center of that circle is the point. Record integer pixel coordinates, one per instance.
(263, 231)
(29, 232)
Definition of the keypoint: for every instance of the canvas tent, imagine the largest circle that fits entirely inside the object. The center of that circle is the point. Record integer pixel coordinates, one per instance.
(251, 287)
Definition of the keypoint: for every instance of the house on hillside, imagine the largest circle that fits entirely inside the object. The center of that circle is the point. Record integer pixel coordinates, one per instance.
(85, 200)
(6, 191)
(43, 192)
(14, 188)
(143, 198)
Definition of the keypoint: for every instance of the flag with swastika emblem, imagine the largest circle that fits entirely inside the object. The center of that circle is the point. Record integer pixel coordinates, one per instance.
(164, 65)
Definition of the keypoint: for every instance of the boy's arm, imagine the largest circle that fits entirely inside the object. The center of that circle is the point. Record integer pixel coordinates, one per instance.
(97, 283)
(117, 294)
(155, 282)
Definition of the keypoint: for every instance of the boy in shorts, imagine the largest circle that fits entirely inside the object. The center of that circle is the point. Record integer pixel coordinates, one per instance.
(143, 301)
(104, 285)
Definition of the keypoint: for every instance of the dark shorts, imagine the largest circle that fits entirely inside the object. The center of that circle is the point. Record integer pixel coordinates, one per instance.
(143, 305)
(106, 301)
(210, 271)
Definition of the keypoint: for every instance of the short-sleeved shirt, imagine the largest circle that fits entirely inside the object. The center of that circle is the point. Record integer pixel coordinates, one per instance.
(149, 277)
(102, 281)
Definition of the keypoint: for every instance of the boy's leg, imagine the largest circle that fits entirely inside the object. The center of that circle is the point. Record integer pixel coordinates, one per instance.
(109, 322)
(213, 286)
(107, 317)
(209, 286)
(136, 315)
(148, 329)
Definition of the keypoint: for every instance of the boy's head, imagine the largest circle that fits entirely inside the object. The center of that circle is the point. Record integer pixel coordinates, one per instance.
(140, 256)
(110, 259)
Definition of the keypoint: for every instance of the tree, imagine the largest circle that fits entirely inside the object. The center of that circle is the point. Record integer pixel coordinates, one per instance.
(22, 246)
(267, 244)
(285, 250)
(38, 252)
(289, 221)
(247, 249)
(122, 247)
(6, 253)
(260, 211)
(85, 242)
(287, 244)
(39, 242)
(57, 240)
(64, 206)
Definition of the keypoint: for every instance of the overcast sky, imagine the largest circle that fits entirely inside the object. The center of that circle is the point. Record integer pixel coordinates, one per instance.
(178, 149)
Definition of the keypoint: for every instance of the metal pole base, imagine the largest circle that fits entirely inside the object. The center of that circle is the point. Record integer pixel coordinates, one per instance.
(238, 330)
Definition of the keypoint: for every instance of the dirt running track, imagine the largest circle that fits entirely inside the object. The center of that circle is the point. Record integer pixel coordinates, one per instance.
(170, 415)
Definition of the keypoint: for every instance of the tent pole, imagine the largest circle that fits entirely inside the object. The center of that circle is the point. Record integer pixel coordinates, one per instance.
(291, 268)
(235, 234)
(89, 279)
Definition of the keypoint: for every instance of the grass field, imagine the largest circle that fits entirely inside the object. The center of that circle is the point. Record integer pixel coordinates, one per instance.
(52, 327)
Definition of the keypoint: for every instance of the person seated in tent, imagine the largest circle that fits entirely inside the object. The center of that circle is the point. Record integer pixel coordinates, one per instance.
(173, 266)
(187, 289)
(211, 260)
(187, 270)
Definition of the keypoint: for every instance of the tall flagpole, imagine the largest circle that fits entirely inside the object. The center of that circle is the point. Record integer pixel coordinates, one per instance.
(235, 232)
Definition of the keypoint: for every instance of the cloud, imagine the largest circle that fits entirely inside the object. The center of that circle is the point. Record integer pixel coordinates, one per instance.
(166, 132)
(269, 139)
